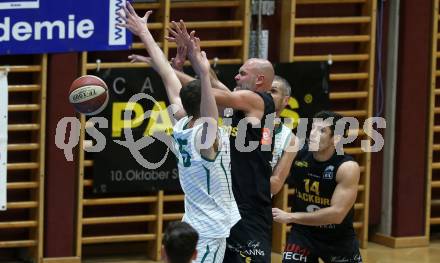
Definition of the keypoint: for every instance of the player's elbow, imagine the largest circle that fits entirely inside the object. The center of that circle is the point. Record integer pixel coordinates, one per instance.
(338, 216)
(338, 220)
(179, 114)
(275, 190)
(275, 185)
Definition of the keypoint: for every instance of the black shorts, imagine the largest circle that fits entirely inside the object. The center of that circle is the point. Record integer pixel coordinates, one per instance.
(250, 240)
(303, 247)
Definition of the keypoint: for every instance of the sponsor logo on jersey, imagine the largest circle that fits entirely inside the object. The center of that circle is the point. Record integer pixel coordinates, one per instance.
(266, 139)
(295, 252)
(314, 175)
(328, 172)
(301, 164)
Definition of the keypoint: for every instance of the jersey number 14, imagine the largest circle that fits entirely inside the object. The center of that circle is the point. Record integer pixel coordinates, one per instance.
(314, 187)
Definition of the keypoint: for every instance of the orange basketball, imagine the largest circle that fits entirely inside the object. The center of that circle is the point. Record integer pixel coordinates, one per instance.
(88, 94)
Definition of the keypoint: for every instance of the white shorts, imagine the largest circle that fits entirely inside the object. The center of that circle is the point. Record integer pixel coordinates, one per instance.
(210, 250)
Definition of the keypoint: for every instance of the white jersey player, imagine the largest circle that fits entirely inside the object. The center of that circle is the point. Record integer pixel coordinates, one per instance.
(202, 148)
(210, 206)
(283, 135)
(284, 138)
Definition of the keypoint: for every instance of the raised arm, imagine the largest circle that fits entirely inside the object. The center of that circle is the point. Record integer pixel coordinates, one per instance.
(282, 169)
(200, 63)
(208, 107)
(249, 102)
(342, 201)
(176, 37)
(139, 27)
(185, 78)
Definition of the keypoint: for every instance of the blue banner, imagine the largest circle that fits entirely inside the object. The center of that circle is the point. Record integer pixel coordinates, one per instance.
(46, 26)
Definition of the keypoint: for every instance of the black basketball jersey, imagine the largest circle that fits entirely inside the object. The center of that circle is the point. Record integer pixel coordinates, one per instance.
(251, 170)
(314, 183)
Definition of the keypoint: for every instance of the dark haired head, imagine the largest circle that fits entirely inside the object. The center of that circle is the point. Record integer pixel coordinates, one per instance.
(180, 241)
(190, 94)
(330, 114)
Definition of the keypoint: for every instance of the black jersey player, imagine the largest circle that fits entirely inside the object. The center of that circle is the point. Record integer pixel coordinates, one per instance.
(326, 186)
(251, 136)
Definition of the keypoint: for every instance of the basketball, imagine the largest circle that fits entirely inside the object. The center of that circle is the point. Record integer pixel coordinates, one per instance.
(88, 94)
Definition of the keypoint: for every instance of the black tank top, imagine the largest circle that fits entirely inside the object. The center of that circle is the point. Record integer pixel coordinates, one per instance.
(251, 171)
(314, 184)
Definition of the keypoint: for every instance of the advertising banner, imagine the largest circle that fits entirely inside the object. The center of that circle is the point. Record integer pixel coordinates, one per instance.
(46, 26)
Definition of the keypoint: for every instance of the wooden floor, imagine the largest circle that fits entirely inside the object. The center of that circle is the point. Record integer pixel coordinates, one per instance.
(380, 254)
(374, 254)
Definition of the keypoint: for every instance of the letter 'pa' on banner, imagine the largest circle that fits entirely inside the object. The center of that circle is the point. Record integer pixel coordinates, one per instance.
(3, 136)
(46, 26)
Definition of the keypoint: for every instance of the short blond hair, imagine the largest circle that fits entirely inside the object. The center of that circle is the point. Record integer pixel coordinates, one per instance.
(285, 87)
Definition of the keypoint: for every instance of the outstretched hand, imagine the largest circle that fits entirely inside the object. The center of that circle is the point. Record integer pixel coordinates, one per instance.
(179, 35)
(136, 24)
(179, 60)
(139, 58)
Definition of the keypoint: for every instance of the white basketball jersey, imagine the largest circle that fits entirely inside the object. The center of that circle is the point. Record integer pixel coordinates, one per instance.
(282, 139)
(210, 205)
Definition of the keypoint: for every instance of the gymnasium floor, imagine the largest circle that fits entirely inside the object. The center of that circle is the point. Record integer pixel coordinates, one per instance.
(380, 254)
(374, 254)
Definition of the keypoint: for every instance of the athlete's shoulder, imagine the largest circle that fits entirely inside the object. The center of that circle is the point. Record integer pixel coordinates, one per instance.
(349, 171)
(269, 104)
(343, 158)
(264, 95)
(349, 164)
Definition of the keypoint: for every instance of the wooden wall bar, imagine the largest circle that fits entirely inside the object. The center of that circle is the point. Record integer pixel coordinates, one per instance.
(433, 160)
(342, 31)
(21, 226)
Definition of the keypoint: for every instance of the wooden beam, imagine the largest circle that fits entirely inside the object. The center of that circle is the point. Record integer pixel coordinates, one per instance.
(332, 20)
(331, 39)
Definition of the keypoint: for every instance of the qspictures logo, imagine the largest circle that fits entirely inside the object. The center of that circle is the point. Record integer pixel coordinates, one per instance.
(156, 122)
(160, 125)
